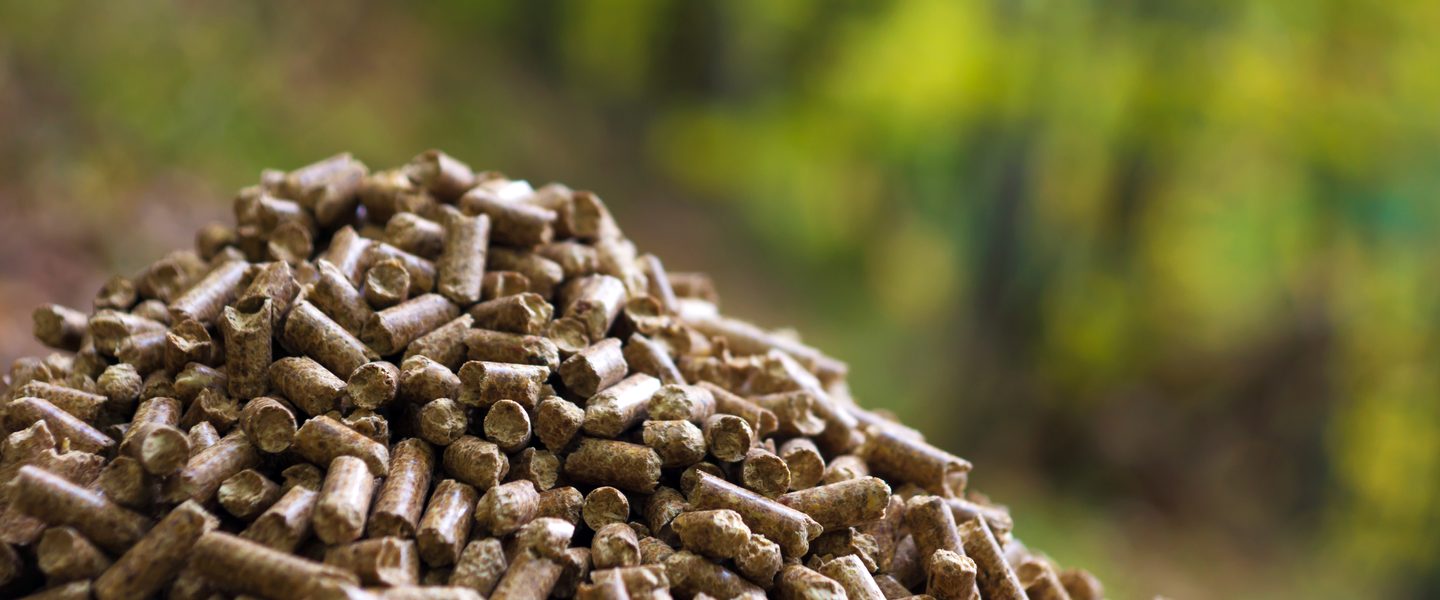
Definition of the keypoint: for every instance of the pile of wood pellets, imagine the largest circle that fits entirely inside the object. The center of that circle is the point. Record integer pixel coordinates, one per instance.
(431, 382)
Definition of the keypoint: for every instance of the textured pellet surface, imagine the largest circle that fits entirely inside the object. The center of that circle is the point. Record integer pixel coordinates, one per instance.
(437, 382)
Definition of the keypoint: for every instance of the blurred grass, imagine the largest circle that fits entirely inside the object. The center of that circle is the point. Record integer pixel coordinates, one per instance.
(1163, 270)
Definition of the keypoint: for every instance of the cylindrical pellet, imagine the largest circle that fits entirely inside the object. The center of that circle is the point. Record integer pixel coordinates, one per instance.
(516, 223)
(499, 284)
(312, 333)
(391, 330)
(247, 330)
(995, 577)
(761, 420)
(64, 554)
(423, 380)
(557, 421)
(269, 423)
(344, 501)
(615, 545)
(22, 412)
(501, 347)
(788, 527)
(445, 527)
(484, 383)
(644, 355)
(595, 368)
(247, 494)
(481, 565)
(715, 533)
(461, 266)
(1037, 576)
(204, 473)
(596, 301)
(763, 472)
(605, 505)
(692, 574)
(204, 300)
(307, 384)
(335, 294)
(541, 467)
(385, 561)
(621, 406)
(402, 497)
(952, 576)
(728, 437)
(149, 565)
(529, 577)
(58, 502)
(287, 522)
(844, 504)
(422, 271)
(59, 327)
(630, 467)
(442, 421)
(931, 523)
(506, 507)
(850, 573)
(441, 174)
(82, 404)
(274, 281)
(243, 566)
(444, 344)
(323, 438)
(679, 443)
(508, 425)
(799, 581)
(564, 503)
(914, 461)
(476, 462)
(387, 283)
(523, 313)
(125, 482)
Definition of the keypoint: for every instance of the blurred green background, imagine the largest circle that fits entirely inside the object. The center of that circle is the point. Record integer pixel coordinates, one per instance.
(1165, 271)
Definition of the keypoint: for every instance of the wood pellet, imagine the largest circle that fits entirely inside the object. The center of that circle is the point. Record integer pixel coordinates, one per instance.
(438, 382)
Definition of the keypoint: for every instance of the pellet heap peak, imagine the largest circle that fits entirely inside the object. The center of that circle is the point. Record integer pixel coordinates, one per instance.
(429, 382)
